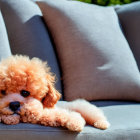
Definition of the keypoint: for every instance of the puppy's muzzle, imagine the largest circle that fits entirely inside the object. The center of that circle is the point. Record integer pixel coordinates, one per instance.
(14, 106)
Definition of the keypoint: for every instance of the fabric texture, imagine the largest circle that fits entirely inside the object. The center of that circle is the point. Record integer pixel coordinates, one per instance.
(28, 34)
(129, 16)
(124, 120)
(96, 61)
(4, 43)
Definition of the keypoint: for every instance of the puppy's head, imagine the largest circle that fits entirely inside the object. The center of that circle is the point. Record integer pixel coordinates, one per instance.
(22, 79)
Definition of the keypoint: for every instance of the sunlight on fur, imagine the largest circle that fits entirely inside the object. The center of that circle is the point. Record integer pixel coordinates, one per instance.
(28, 94)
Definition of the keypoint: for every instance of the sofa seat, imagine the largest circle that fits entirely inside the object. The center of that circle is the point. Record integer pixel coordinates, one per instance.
(124, 118)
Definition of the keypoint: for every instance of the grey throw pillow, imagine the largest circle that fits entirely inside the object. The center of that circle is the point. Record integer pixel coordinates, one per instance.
(96, 60)
(129, 16)
(4, 43)
(27, 32)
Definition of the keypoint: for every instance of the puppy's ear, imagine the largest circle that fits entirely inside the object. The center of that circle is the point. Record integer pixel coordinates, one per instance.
(53, 95)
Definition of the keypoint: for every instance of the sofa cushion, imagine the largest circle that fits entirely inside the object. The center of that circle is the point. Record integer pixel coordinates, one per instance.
(124, 121)
(4, 43)
(113, 103)
(96, 60)
(27, 33)
(129, 16)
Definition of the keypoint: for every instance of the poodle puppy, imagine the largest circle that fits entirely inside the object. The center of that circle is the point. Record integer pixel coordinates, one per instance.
(28, 94)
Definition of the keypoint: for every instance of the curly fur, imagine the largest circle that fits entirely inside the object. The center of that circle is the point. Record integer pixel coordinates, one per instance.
(21, 73)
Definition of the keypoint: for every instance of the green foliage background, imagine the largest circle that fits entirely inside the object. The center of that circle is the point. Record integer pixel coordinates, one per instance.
(108, 2)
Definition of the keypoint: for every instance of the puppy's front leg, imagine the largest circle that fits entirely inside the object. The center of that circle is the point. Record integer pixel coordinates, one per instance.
(93, 115)
(62, 117)
(31, 111)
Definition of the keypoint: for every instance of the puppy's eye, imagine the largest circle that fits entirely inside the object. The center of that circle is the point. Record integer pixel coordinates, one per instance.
(3, 92)
(24, 93)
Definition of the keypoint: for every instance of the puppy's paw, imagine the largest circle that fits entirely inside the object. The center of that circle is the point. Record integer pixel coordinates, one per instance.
(101, 124)
(75, 123)
(10, 119)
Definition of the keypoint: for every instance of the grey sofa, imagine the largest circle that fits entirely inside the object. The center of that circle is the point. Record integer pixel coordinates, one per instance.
(23, 31)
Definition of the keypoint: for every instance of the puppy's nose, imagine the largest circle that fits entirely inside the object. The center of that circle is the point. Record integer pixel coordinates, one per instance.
(14, 106)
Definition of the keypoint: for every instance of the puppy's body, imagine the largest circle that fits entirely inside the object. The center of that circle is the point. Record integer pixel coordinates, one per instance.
(27, 94)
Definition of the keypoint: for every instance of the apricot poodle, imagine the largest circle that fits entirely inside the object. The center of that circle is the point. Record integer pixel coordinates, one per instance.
(27, 94)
